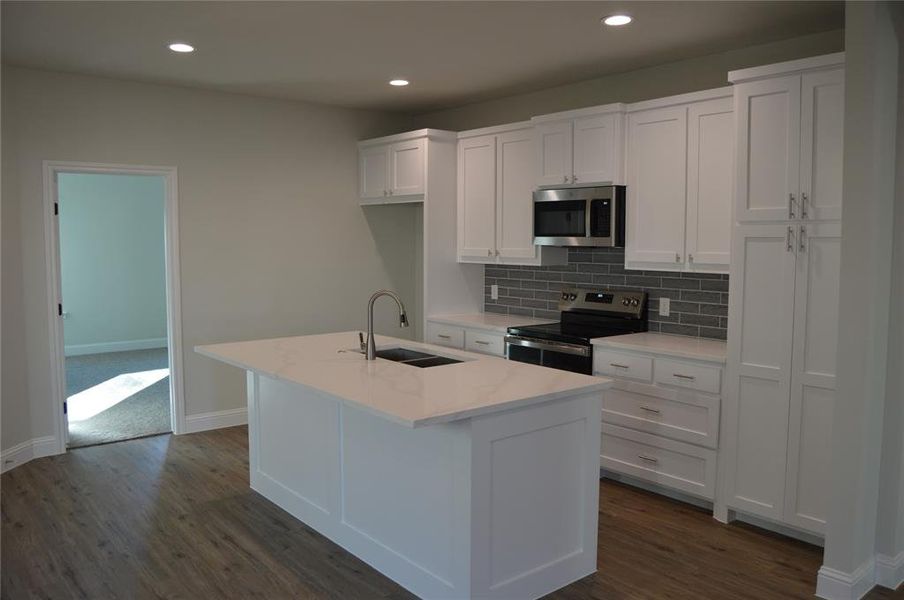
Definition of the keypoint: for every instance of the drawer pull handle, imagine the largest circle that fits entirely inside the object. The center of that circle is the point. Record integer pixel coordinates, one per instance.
(618, 366)
(481, 342)
(443, 336)
(680, 376)
(651, 410)
(648, 459)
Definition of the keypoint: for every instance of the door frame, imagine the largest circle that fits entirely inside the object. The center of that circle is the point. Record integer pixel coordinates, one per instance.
(54, 296)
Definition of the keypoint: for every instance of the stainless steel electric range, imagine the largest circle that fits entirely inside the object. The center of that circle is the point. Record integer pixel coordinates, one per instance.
(586, 314)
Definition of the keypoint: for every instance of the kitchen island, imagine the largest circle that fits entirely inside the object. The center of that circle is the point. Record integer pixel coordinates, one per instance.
(477, 479)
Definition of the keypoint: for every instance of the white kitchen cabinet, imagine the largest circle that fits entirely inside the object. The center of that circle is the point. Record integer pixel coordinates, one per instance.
(580, 148)
(495, 199)
(782, 348)
(661, 416)
(393, 171)
(783, 311)
(657, 186)
(484, 341)
(821, 144)
(790, 123)
(679, 171)
(710, 169)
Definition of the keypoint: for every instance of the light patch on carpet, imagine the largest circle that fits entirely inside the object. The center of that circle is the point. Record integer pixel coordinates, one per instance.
(95, 400)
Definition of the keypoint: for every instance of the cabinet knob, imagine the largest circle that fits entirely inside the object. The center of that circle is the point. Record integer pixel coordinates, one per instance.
(489, 253)
(677, 258)
(565, 179)
(790, 206)
(574, 179)
(803, 205)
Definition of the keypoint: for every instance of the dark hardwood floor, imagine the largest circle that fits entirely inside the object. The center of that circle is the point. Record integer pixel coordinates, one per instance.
(173, 517)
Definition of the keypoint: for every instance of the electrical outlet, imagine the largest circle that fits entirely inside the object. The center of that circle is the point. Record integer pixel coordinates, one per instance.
(494, 292)
(664, 307)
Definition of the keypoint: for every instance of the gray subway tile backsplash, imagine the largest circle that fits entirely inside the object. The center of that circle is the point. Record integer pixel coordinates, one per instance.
(699, 301)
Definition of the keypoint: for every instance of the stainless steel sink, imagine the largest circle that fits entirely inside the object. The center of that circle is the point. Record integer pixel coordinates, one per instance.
(415, 358)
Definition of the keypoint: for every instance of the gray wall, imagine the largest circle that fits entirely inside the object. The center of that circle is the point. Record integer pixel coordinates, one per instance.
(698, 302)
(679, 77)
(112, 260)
(273, 241)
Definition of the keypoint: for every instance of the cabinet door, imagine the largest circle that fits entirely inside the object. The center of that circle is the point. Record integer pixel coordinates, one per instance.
(657, 186)
(477, 199)
(821, 144)
(554, 153)
(373, 172)
(768, 149)
(813, 374)
(761, 304)
(710, 165)
(407, 167)
(514, 200)
(596, 149)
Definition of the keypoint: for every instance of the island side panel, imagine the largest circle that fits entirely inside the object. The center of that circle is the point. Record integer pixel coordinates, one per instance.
(396, 497)
(535, 497)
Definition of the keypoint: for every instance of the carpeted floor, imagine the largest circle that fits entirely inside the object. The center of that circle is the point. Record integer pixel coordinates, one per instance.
(143, 411)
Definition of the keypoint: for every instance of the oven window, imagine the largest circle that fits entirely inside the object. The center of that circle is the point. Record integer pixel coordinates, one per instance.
(564, 218)
(601, 218)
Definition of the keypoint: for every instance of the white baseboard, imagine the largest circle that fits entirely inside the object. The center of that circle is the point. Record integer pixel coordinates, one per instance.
(82, 349)
(890, 570)
(26, 451)
(833, 584)
(216, 420)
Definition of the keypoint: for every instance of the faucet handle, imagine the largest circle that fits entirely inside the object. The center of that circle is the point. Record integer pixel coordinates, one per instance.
(361, 341)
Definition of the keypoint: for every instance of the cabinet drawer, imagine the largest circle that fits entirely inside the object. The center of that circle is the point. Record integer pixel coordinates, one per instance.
(680, 466)
(485, 342)
(680, 415)
(445, 335)
(620, 364)
(688, 375)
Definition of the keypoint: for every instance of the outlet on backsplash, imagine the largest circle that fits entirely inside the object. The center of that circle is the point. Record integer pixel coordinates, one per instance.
(494, 292)
(695, 304)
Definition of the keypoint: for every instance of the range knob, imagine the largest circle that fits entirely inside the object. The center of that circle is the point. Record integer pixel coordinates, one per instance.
(625, 302)
(573, 297)
(564, 296)
(635, 302)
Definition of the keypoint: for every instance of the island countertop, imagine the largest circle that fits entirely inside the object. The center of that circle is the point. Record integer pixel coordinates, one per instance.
(408, 395)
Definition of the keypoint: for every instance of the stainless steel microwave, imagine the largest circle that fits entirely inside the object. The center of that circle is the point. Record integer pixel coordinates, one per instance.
(591, 216)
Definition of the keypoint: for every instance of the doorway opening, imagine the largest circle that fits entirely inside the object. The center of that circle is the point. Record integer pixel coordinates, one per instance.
(116, 352)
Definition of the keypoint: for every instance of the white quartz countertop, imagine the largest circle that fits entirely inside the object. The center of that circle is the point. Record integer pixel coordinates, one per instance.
(488, 321)
(680, 346)
(403, 393)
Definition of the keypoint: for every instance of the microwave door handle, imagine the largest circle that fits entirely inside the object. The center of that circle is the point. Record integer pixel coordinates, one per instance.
(588, 210)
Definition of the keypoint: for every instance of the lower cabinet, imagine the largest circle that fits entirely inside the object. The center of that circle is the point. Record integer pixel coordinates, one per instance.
(466, 338)
(661, 419)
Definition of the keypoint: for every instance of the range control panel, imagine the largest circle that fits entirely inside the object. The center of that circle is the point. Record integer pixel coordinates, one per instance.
(629, 303)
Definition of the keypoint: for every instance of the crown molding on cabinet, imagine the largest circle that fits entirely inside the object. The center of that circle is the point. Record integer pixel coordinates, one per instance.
(815, 63)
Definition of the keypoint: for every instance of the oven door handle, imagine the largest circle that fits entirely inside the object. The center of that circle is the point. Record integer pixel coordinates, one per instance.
(514, 340)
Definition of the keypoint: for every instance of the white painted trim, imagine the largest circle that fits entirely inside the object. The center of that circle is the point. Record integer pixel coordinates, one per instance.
(216, 420)
(495, 129)
(833, 584)
(890, 570)
(407, 199)
(125, 346)
(173, 286)
(436, 134)
(617, 107)
(689, 98)
(826, 61)
(26, 451)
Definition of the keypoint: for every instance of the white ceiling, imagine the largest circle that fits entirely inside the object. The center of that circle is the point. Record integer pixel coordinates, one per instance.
(343, 53)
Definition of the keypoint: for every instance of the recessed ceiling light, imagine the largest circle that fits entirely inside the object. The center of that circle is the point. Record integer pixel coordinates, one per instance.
(181, 47)
(399, 82)
(616, 20)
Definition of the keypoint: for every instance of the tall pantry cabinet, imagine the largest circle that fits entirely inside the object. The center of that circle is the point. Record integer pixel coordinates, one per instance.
(785, 265)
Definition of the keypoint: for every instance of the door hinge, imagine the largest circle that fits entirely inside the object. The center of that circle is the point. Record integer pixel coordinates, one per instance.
(56, 208)
(65, 408)
(59, 310)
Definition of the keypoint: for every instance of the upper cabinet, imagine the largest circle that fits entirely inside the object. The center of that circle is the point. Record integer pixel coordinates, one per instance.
(789, 141)
(679, 176)
(392, 169)
(580, 148)
(495, 200)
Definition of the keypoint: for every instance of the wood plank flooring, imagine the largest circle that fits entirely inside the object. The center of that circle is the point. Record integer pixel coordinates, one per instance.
(173, 517)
